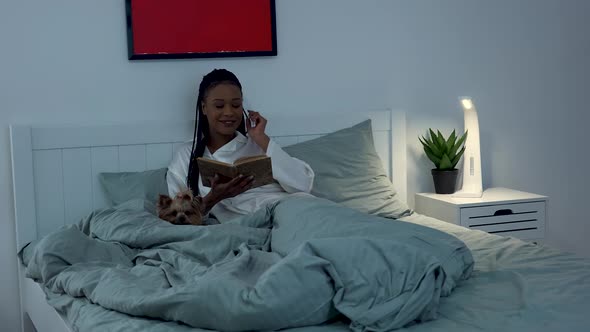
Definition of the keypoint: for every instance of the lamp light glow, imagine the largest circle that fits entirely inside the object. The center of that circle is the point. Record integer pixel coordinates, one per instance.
(467, 103)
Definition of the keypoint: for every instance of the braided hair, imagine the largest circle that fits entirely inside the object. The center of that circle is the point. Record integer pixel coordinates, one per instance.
(201, 132)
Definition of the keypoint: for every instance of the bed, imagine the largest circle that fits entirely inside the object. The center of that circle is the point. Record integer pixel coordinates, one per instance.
(501, 283)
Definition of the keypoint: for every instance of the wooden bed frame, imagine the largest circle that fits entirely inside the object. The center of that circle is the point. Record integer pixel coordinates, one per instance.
(55, 173)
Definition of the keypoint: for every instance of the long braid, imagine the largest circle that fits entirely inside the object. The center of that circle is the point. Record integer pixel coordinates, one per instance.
(201, 132)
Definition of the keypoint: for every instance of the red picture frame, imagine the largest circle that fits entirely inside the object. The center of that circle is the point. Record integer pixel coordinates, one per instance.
(180, 29)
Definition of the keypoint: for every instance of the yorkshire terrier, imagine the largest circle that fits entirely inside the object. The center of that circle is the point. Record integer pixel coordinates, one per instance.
(183, 209)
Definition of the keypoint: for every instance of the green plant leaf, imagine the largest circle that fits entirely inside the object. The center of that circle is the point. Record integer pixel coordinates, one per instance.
(457, 157)
(457, 145)
(427, 146)
(443, 152)
(425, 140)
(451, 142)
(422, 140)
(432, 157)
(445, 163)
(437, 140)
(435, 148)
(442, 141)
(427, 149)
(427, 143)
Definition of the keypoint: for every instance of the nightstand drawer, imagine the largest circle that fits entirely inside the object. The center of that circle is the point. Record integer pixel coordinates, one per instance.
(525, 220)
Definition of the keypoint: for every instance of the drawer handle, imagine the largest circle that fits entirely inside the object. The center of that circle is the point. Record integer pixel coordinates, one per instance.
(503, 212)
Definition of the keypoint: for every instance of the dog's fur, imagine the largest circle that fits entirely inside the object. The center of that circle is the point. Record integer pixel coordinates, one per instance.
(183, 209)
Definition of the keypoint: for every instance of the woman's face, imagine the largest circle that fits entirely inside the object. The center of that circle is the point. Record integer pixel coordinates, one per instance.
(223, 108)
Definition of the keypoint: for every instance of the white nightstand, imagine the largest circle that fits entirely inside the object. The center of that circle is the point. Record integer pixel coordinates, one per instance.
(500, 211)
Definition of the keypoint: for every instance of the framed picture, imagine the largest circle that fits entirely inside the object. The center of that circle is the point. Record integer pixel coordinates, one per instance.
(180, 29)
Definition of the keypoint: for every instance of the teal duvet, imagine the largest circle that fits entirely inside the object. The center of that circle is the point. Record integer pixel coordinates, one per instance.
(302, 263)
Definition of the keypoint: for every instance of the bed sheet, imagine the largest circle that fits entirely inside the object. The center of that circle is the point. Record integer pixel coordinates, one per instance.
(515, 286)
(303, 261)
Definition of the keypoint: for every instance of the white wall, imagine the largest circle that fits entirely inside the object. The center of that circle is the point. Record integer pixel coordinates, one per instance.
(524, 64)
(527, 66)
(65, 61)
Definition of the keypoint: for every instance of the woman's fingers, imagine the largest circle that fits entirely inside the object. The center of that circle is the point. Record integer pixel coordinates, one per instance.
(235, 180)
(235, 186)
(214, 180)
(256, 118)
(242, 184)
(247, 181)
(253, 119)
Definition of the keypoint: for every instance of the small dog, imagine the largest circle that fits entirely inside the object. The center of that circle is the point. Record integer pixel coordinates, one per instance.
(183, 209)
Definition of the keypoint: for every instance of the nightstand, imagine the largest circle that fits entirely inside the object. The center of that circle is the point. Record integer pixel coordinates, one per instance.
(499, 211)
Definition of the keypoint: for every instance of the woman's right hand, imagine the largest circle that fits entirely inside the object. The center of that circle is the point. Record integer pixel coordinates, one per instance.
(221, 191)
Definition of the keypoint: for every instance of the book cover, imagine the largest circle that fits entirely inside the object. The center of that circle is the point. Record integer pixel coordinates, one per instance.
(258, 166)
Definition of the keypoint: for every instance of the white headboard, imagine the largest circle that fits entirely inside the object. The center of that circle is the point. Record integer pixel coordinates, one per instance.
(55, 168)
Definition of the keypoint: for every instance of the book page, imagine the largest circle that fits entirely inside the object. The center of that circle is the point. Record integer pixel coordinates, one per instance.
(249, 158)
(260, 168)
(208, 168)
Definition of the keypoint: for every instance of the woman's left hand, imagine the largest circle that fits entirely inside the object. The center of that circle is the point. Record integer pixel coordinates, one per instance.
(257, 131)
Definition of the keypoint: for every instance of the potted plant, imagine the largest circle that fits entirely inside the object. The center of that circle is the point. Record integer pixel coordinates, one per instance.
(445, 154)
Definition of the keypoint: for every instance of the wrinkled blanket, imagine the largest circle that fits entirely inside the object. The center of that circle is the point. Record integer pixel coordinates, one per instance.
(300, 262)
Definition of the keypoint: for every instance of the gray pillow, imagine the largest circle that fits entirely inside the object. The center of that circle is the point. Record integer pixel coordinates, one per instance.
(348, 171)
(121, 187)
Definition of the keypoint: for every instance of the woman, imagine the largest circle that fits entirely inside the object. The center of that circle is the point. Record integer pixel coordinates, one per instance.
(223, 133)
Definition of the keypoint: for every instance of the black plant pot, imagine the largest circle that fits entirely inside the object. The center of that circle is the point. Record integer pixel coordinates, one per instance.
(445, 182)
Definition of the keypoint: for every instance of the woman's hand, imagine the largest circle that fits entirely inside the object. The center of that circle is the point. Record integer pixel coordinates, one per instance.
(257, 131)
(221, 191)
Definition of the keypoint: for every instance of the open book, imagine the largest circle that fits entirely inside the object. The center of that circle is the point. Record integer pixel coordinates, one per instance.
(259, 166)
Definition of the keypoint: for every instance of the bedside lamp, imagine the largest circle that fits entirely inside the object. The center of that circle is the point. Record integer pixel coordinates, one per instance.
(472, 183)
